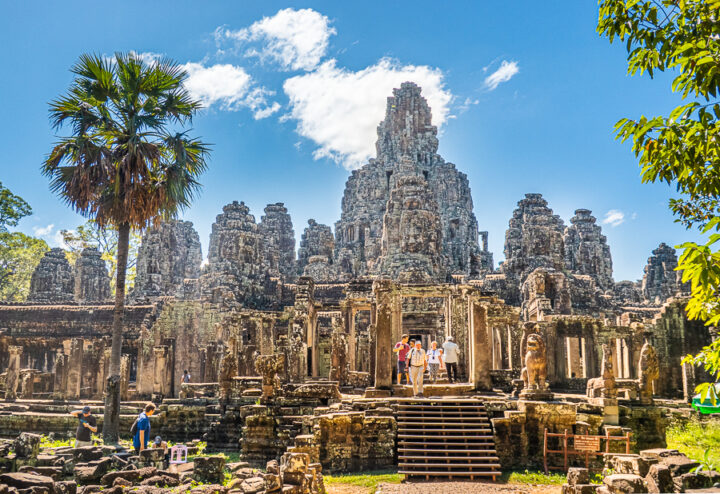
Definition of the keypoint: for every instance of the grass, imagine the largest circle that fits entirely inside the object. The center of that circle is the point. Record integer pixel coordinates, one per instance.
(692, 438)
(533, 478)
(369, 480)
(46, 442)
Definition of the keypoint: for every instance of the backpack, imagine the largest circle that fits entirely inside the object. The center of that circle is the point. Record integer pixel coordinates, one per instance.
(133, 428)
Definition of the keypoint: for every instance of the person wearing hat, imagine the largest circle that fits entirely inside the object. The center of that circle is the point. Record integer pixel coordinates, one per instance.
(160, 444)
(86, 426)
(450, 356)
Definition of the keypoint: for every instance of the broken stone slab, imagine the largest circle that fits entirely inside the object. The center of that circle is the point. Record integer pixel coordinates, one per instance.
(624, 483)
(66, 487)
(578, 476)
(87, 453)
(161, 481)
(56, 473)
(659, 479)
(209, 469)
(253, 485)
(580, 489)
(133, 476)
(21, 480)
(27, 445)
(91, 472)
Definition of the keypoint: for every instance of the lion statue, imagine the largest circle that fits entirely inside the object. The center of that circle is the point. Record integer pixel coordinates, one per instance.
(603, 386)
(535, 371)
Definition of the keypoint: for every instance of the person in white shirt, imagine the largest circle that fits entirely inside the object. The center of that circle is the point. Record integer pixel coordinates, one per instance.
(418, 363)
(450, 355)
(434, 358)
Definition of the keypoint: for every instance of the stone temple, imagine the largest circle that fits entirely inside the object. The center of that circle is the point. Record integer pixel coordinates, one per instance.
(282, 347)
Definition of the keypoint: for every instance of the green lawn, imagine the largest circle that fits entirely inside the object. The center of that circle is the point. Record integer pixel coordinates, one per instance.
(535, 477)
(694, 437)
(370, 479)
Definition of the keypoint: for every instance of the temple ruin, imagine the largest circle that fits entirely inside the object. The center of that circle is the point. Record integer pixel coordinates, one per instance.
(294, 353)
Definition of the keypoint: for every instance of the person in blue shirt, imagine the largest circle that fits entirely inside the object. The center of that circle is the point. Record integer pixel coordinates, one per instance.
(142, 434)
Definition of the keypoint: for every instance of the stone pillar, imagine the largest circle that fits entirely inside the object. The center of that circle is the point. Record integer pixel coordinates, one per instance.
(339, 355)
(74, 369)
(13, 373)
(124, 377)
(60, 375)
(267, 342)
(161, 378)
(145, 370)
(459, 324)
(481, 357)
(348, 322)
(383, 334)
(688, 380)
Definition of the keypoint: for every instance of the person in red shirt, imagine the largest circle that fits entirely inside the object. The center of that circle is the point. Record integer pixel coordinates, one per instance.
(402, 348)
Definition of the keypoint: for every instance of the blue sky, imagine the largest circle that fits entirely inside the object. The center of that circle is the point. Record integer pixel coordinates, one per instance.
(294, 92)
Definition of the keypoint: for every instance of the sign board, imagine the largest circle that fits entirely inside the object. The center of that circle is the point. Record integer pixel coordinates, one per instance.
(587, 443)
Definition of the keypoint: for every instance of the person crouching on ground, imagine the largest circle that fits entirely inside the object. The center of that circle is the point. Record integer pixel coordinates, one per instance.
(418, 363)
(160, 444)
(142, 432)
(434, 356)
(86, 427)
(402, 348)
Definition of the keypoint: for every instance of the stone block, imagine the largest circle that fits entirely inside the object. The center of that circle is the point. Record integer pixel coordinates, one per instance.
(92, 472)
(578, 476)
(66, 487)
(624, 483)
(253, 485)
(659, 479)
(21, 480)
(27, 445)
(209, 469)
(86, 453)
(55, 473)
(133, 476)
(161, 481)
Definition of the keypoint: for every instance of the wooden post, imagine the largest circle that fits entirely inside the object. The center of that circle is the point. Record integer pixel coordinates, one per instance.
(627, 443)
(545, 447)
(565, 452)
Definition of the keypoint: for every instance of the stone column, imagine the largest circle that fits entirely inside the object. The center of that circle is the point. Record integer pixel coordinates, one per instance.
(60, 375)
(348, 322)
(74, 369)
(267, 343)
(161, 381)
(383, 334)
(481, 356)
(13, 373)
(459, 324)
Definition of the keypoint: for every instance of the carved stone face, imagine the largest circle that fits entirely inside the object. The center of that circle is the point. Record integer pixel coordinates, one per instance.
(535, 343)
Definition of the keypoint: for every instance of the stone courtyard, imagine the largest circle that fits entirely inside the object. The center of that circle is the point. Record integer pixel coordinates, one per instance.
(291, 355)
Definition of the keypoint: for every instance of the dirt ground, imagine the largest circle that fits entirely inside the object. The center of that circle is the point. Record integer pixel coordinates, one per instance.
(446, 487)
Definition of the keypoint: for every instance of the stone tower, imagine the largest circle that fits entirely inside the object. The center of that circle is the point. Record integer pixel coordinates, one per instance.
(412, 231)
(277, 230)
(534, 238)
(316, 240)
(169, 254)
(660, 280)
(235, 273)
(586, 249)
(92, 282)
(406, 132)
(52, 281)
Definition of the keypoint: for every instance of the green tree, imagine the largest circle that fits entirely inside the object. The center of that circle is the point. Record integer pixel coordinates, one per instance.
(12, 208)
(19, 256)
(106, 241)
(681, 149)
(124, 165)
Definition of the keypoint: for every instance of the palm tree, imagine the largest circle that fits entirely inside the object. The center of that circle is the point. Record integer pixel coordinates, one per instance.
(127, 162)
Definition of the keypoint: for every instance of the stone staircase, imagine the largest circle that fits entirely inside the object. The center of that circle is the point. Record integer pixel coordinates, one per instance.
(445, 438)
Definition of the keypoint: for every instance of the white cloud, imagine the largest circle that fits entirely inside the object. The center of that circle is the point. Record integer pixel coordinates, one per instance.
(294, 39)
(340, 109)
(614, 217)
(230, 87)
(503, 74)
(43, 231)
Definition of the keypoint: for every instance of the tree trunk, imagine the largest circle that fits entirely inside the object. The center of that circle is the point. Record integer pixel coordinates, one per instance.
(111, 418)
